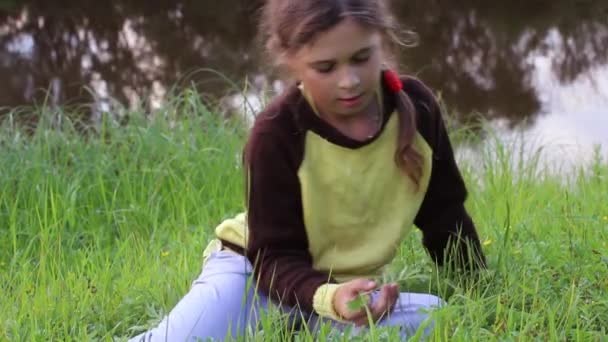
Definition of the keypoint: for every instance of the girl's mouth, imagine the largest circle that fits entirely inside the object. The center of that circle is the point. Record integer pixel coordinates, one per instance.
(351, 101)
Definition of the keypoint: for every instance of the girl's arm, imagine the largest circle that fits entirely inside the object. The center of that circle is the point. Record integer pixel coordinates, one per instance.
(278, 245)
(448, 231)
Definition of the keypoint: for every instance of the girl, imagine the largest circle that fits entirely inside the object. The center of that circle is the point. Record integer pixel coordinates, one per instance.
(339, 168)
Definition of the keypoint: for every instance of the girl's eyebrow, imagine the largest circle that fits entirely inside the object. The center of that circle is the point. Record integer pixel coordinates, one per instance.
(360, 51)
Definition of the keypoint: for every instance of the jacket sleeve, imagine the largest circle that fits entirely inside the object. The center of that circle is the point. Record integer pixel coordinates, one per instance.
(449, 233)
(277, 245)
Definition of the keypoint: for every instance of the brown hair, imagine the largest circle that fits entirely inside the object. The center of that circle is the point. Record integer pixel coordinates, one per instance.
(288, 25)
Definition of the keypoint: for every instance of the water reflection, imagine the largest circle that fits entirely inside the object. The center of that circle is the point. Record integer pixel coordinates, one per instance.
(481, 54)
(129, 51)
(507, 61)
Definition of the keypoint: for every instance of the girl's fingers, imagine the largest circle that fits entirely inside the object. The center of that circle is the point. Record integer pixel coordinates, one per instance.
(377, 308)
(388, 297)
(394, 296)
(383, 305)
(349, 292)
(359, 316)
(383, 300)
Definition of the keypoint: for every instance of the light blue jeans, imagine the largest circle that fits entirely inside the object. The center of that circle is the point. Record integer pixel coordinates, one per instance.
(223, 303)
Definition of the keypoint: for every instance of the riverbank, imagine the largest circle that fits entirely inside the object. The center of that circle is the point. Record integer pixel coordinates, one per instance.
(103, 233)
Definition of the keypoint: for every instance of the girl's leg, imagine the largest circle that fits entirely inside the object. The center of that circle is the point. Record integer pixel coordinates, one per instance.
(410, 314)
(221, 303)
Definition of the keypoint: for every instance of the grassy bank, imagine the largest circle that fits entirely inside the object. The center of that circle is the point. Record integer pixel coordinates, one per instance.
(102, 234)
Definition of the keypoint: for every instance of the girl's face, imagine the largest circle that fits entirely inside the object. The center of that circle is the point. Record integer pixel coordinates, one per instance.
(340, 69)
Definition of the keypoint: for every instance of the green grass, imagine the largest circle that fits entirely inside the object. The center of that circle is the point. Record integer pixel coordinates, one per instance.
(101, 234)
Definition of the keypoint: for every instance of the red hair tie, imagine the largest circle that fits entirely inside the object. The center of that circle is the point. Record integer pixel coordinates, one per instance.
(392, 80)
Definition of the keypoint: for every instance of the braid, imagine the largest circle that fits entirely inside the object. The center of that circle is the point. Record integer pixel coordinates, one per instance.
(406, 157)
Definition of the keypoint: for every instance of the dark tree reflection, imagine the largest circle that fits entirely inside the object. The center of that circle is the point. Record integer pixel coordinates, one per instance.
(476, 53)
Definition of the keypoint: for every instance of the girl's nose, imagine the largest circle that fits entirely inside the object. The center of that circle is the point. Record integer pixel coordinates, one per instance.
(349, 79)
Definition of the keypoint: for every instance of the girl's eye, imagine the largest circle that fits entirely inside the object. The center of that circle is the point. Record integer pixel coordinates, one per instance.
(324, 68)
(361, 58)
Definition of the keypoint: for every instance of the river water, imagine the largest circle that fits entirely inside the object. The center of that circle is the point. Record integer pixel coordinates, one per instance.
(537, 68)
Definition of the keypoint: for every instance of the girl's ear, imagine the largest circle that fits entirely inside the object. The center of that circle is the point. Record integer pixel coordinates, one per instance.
(286, 68)
(287, 60)
(281, 62)
(288, 63)
(281, 59)
(387, 53)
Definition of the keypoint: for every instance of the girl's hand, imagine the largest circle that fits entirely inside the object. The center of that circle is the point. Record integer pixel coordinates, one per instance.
(352, 290)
